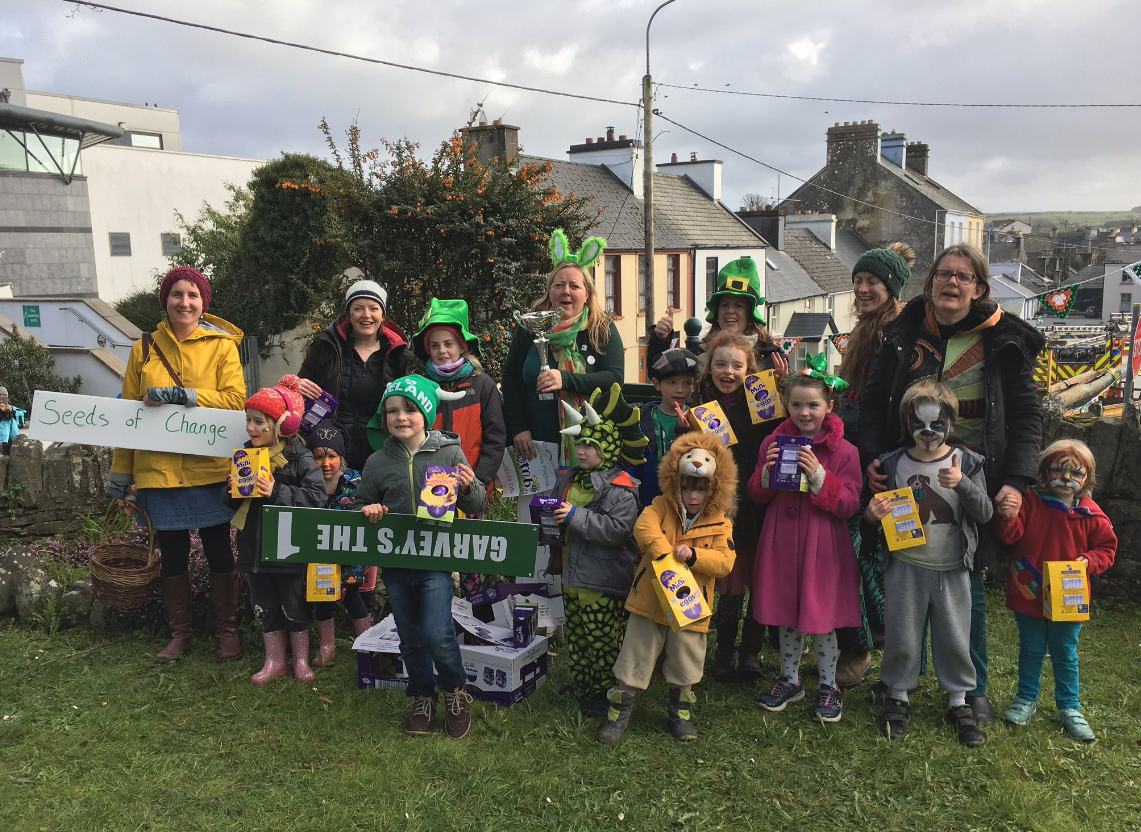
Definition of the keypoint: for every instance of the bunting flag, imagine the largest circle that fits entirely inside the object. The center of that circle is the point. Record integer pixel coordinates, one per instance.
(840, 341)
(1059, 301)
(788, 345)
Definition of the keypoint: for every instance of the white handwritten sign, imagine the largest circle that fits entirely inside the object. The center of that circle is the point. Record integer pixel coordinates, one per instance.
(116, 423)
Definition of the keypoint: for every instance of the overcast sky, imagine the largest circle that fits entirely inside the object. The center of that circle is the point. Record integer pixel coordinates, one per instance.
(242, 98)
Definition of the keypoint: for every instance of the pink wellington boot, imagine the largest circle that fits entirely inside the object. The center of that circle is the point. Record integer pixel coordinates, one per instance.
(275, 664)
(299, 643)
(327, 651)
(362, 625)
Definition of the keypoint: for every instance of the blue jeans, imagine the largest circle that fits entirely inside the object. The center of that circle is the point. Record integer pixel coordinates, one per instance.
(422, 605)
(1035, 635)
(978, 636)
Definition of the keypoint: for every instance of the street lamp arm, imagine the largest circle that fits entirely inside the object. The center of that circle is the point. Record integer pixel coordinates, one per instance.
(658, 9)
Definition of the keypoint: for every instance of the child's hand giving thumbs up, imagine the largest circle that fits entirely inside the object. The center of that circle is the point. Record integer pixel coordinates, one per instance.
(949, 477)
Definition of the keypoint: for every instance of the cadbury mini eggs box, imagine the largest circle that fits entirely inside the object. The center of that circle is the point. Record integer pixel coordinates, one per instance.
(246, 465)
(438, 496)
(679, 594)
(763, 397)
(710, 418)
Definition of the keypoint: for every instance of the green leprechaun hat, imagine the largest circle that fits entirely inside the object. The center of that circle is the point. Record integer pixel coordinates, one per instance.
(452, 314)
(738, 279)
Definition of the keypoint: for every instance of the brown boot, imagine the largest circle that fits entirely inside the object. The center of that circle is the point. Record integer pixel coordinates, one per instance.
(851, 668)
(224, 597)
(724, 666)
(752, 641)
(177, 596)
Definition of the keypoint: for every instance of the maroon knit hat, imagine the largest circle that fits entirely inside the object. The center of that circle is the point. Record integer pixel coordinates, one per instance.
(184, 273)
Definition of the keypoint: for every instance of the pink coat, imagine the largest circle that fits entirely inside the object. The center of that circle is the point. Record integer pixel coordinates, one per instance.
(806, 576)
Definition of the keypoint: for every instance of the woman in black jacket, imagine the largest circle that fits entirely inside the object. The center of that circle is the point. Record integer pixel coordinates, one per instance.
(354, 359)
(956, 334)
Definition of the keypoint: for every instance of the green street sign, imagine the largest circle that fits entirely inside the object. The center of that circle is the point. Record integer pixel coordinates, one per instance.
(31, 315)
(325, 535)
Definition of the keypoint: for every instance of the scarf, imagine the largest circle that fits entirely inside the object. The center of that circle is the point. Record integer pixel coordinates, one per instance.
(277, 461)
(564, 340)
(444, 374)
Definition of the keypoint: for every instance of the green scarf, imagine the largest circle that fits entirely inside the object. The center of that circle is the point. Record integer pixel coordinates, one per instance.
(564, 342)
(277, 461)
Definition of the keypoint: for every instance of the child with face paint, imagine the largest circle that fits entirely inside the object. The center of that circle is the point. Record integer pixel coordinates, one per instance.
(950, 490)
(1057, 521)
(277, 590)
(806, 578)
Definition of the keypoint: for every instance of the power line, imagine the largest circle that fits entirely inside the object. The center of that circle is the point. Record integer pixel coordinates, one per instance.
(337, 54)
(897, 103)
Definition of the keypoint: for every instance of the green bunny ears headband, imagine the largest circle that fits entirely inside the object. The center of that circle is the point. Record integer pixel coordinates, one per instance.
(818, 368)
(586, 256)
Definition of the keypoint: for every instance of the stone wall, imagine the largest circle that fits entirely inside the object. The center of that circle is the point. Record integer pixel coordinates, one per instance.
(1116, 445)
(49, 492)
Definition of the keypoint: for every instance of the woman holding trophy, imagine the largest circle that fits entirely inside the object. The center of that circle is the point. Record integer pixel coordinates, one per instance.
(561, 350)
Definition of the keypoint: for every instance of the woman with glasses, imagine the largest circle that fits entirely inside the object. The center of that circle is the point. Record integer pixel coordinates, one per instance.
(956, 334)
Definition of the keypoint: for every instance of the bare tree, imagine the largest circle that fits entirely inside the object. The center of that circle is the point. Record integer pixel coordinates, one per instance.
(752, 202)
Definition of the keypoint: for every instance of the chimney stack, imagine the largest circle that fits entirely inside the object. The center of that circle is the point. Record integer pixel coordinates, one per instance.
(706, 173)
(892, 147)
(917, 153)
(495, 141)
(854, 143)
(621, 155)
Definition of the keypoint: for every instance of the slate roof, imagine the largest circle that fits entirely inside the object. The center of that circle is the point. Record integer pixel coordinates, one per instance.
(849, 246)
(684, 216)
(929, 188)
(1003, 252)
(817, 259)
(812, 325)
(785, 280)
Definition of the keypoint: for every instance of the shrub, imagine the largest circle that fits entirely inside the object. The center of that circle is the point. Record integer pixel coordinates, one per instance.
(26, 366)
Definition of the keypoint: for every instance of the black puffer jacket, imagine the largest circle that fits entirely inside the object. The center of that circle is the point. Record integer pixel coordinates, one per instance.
(1013, 423)
(331, 362)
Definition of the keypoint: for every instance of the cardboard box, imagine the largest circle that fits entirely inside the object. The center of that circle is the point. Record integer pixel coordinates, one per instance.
(763, 396)
(543, 516)
(902, 528)
(497, 604)
(785, 473)
(317, 410)
(246, 465)
(323, 582)
(524, 624)
(679, 594)
(438, 496)
(710, 418)
(495, 673)
(1065, 591)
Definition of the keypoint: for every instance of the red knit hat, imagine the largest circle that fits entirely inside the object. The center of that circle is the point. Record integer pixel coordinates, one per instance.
(184, 273)
(282, 403)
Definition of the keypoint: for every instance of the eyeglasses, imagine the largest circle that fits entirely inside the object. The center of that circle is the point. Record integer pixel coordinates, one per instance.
(962, 278)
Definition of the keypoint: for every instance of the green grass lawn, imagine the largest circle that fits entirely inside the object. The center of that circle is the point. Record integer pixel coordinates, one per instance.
(96, 737)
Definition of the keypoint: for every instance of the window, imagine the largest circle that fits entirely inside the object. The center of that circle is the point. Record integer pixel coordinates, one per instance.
(171, 244)
(830, 304)
(613, 284)
(710, 276)
(1126, 302)
(774, 318)
(798, 357)
(673, 281)
(641, 284)
(772, 265)
(120, 244)
(152, 140)
(808, 304)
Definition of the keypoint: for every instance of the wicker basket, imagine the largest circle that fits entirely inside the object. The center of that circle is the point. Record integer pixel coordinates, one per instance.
(123, 574)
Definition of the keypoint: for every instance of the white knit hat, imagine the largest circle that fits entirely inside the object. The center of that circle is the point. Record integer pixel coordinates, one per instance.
(369, 289)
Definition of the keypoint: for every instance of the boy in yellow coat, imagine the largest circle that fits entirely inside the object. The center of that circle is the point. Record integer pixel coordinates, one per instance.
(692, 520)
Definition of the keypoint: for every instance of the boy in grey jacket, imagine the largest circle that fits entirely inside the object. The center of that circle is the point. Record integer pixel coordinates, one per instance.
(600, 506)
(950, 491)
(421, 600)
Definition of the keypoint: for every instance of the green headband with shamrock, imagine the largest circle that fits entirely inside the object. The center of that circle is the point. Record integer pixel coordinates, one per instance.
(818, 368)
(585, 257)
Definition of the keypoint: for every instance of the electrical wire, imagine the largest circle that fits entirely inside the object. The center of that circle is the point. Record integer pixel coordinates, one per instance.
(350, 56)
(897, 103)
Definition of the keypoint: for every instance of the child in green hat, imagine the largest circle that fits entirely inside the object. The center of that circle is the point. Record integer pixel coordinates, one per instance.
(451, 356)
(421, 599)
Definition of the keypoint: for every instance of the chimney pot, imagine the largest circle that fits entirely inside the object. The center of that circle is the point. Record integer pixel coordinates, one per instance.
(621, 137)
(589, 140)
(693, 157)
(673, 158)
(609, 134)
(600, 139)
(483, 124)
(498, 122)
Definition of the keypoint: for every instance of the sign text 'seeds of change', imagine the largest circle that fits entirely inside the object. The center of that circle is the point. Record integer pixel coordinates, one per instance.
(322, 535)
(117, 423)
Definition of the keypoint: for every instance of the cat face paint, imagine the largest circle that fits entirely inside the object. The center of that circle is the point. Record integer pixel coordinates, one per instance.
(929, 425)
(1066, 477)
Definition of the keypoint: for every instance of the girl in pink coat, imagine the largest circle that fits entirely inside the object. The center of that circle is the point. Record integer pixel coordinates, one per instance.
(806, 579)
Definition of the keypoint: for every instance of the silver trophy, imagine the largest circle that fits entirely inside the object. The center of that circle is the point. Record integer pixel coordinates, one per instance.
(539, 324)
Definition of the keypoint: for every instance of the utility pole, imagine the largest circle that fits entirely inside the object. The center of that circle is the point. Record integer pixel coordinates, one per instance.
(648, 176)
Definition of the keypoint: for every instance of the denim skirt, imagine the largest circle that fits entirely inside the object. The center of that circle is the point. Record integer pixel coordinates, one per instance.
(197, 507)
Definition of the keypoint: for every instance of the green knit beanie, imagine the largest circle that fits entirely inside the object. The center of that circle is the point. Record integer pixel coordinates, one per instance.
(887, 266)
